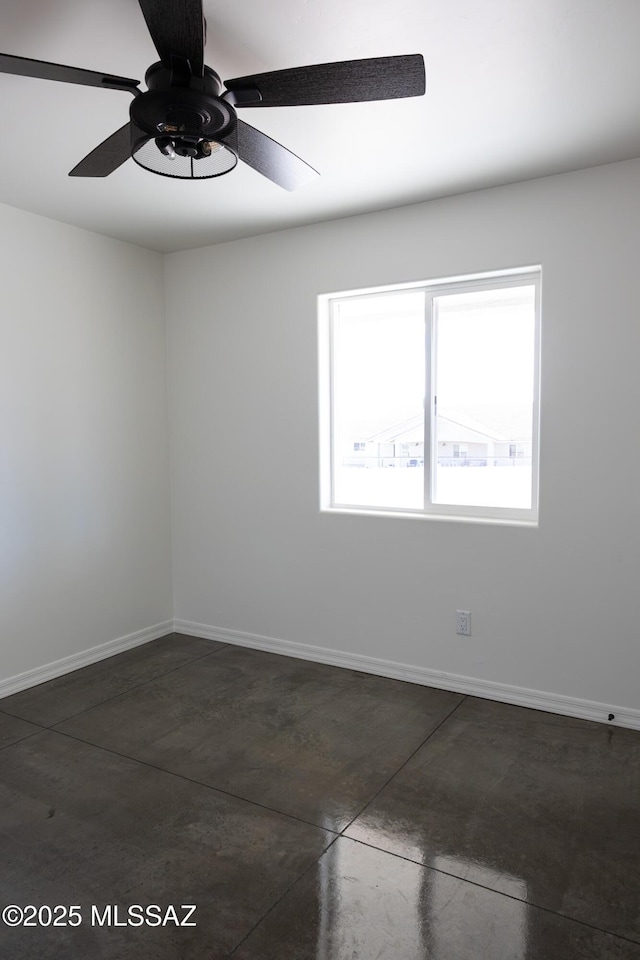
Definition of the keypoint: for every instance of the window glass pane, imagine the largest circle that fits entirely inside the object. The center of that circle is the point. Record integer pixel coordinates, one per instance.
(484, 383)
(378, 371)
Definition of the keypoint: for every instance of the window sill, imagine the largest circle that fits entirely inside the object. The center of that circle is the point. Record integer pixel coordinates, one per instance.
(504, 521)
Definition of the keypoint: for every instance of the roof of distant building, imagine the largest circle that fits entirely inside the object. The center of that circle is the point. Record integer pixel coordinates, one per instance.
(499, 423)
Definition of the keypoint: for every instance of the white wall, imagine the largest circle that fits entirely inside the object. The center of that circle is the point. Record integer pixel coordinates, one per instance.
(84, 489)
(554, 608)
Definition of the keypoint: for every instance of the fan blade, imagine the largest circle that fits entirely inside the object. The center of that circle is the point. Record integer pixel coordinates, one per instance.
(42, 70)
(177, 29)
(106, 158)
(348, 81)
(271, 159)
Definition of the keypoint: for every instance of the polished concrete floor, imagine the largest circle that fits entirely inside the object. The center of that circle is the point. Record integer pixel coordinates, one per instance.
(309, 813)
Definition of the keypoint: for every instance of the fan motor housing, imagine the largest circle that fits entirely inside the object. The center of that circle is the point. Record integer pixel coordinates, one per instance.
(181, 104)
(182, 111)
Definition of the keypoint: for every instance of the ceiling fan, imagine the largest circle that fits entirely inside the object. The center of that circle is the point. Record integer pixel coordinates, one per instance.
(185, 124)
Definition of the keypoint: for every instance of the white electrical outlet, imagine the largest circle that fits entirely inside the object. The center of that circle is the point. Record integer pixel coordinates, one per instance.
(463, 622)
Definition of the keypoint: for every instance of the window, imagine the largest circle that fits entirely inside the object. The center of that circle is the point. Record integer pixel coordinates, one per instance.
(442, 378)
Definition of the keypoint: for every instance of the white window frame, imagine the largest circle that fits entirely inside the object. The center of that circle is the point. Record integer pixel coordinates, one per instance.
(530, 276)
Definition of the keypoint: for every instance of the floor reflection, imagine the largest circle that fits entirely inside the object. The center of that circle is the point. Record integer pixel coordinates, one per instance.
(367, 898)
(363, 898)
(451, 916)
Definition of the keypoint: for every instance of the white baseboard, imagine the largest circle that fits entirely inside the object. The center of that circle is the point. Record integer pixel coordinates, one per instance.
(505, 693)
(59, 667)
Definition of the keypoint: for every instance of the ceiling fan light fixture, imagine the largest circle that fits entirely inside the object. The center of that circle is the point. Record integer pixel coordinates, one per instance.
(165, 146)
(182, 157)
(211, 146)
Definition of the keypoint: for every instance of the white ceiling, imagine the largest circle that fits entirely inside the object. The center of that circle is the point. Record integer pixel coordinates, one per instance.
(515, 89)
